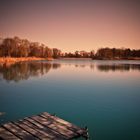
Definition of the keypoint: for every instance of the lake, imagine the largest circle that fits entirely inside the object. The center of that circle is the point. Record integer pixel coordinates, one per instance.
(103, 95)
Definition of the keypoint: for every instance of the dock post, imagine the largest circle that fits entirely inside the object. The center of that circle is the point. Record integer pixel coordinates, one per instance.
(54, 114)
(87, 134)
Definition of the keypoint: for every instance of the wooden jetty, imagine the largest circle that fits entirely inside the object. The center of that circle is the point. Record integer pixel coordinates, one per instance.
(41, 127)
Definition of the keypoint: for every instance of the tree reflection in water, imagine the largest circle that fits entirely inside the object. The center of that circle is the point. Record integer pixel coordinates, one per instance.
(110, 67)
(118, 67)
(24, 70)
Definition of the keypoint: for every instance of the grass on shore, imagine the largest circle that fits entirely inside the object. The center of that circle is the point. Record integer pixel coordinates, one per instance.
(20, 59)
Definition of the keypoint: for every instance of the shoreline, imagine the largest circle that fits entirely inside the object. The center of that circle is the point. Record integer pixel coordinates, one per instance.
(12, 60)
(104, 59)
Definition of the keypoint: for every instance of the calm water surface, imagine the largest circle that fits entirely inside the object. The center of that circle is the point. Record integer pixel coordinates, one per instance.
(103, 95)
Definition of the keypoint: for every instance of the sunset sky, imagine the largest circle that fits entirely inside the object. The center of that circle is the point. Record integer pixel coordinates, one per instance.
(73, 24)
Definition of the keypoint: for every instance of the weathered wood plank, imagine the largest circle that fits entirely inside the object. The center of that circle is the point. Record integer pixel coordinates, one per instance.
(29, 129)
(17, 131)
(68, 125)
(41, 127)
(53, 125)
(48, 131)
(6, 135)
(42, 132)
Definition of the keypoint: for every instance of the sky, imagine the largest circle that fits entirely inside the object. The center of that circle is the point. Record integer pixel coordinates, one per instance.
(72, 25)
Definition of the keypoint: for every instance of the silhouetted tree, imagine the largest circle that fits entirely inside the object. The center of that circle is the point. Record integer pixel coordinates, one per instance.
(56, 53)
(16, 47)
(113, 53)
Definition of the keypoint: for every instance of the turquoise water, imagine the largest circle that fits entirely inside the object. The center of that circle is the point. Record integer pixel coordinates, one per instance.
(103, 95)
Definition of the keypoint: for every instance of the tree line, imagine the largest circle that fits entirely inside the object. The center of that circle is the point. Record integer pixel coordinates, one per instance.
(115, 53)
(16, 47)
(107, 53)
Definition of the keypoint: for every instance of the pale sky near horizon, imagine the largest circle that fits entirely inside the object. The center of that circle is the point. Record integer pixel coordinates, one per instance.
(72, 25)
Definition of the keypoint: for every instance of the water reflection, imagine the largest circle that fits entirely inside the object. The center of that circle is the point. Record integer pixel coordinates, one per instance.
(105, 66)
(110, 67)
(119, 67)
(24, 70)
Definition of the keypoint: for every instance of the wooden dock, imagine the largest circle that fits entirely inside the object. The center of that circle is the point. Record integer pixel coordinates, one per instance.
(41, 127)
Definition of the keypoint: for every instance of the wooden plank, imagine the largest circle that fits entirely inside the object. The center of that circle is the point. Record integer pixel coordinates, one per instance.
(17, 131)
(40, 133)
(41, 127)
(45, 130)
(55, 126)
(6, 135)
(29, 129)
(67, 124)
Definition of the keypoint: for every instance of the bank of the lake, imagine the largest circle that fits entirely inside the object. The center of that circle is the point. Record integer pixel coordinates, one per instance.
(102, 58)
(12, 60)
(117, 58)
